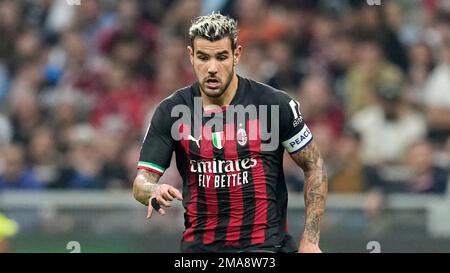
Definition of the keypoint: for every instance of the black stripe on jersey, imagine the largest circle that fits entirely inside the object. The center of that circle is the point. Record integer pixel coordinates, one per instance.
(282, 200)
(185, 174)
(201, 200)
(273, 169)
(248, 191)
(276, 197)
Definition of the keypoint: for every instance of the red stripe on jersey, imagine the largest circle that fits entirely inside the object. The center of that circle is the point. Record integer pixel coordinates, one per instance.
(259, 180)
(212, 208)
(236, 197)
(188, 235)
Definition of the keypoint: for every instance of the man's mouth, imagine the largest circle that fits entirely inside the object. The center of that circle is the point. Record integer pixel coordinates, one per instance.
(213, 83)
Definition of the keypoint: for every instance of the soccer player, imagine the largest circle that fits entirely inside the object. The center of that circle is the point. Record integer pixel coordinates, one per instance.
(234, 193)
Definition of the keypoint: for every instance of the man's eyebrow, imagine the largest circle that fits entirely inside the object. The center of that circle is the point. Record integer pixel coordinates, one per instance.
(225, 52)
(201, 53)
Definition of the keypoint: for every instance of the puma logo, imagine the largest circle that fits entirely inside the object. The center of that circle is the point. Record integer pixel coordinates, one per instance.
(197, 141)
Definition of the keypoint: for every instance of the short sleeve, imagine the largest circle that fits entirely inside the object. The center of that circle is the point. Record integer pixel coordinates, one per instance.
(294, 134)
(158, 145)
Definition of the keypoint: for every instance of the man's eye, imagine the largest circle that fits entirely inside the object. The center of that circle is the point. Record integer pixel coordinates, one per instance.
(222, 58)
(203, 58)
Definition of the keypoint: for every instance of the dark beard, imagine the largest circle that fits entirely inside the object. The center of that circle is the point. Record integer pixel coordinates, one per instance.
(225, 87)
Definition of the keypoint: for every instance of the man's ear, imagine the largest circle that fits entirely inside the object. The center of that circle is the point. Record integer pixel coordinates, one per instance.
(191, 54)
(237, 55)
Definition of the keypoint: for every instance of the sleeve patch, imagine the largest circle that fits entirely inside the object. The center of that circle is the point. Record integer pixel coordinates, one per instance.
(298, 141)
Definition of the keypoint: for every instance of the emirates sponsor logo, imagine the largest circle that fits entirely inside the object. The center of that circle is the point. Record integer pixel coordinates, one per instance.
(222, 166)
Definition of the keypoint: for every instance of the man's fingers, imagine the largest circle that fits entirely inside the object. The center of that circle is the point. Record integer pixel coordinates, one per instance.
(162, 198)
(149, 209)
(162, 201)
(153, 205)
(167, 196)
(176, 193)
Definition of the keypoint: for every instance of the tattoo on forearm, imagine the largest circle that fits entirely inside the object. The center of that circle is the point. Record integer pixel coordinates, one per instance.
(316, 187)
(144, 184)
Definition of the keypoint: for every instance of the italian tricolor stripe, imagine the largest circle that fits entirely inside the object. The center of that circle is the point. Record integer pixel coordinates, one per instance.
(151, 167)
(217, 139)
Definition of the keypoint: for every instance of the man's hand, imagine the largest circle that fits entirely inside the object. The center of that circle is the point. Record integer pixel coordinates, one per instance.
(146, 190)
(163, 195)
(308, 247)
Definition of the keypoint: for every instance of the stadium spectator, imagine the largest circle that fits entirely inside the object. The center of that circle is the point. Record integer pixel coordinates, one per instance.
(129, 22)
(285, 75)
(82, 165)
(321, 54)
(255, 64)
(10, 29)
(16, 175)
(113, 174)
(387, 129)
(437, 97)
(43, 155)
(343, 59)
(369, 70)
(258, 23)
(425, 176)
(178, 16)
(26, 115)
(319, 106)
(92, 20)
(79, 72)
(378, 23)
(421, 65)
(123, 105)
(348, 175)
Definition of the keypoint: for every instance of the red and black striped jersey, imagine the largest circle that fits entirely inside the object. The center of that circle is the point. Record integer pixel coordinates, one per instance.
(231, 162)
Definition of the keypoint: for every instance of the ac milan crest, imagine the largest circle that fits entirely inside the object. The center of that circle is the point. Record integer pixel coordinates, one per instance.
(241, 136)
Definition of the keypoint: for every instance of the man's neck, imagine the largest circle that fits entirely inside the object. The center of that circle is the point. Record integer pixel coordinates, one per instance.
(225, 98)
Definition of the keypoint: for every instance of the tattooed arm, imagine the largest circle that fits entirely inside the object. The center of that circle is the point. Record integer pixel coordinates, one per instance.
(316, 187)
(146, 186)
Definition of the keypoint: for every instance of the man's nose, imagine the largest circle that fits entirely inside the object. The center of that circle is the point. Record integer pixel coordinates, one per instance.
(212, 68)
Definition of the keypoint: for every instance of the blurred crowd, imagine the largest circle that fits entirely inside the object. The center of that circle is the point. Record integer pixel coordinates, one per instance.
(78, 85)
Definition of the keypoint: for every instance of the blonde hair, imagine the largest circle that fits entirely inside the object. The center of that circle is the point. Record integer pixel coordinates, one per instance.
(214, 27)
